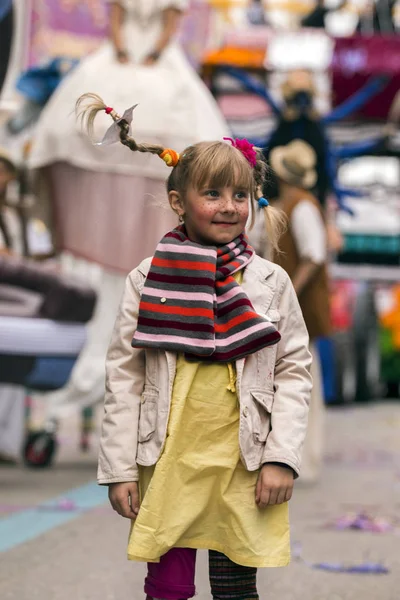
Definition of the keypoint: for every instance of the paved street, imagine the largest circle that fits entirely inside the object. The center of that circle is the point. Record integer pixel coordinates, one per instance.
(80, 554)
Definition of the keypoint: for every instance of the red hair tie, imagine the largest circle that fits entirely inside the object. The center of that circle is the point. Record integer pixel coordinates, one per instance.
(109, 110)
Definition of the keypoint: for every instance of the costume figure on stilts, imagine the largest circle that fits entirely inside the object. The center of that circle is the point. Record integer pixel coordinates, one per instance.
(107, 203)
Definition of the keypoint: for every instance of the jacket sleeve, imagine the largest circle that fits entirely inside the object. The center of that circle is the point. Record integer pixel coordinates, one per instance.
(293, 384)
(125, 375)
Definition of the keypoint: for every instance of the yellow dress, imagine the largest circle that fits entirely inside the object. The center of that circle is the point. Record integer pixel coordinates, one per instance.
(199, 495)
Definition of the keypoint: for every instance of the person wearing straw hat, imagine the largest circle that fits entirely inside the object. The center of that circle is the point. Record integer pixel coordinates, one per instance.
(303, 254)
(295, 164)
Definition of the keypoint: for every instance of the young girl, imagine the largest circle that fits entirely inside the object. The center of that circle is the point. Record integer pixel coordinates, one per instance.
(208, 384)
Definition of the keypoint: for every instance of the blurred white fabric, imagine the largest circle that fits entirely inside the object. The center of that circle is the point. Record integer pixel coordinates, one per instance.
(12, 399)
(175, 108)
(32, 336)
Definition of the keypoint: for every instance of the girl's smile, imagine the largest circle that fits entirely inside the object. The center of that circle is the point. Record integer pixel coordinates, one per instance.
(227, 223)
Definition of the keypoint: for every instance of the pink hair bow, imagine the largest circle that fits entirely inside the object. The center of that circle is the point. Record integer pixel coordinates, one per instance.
(245, 148)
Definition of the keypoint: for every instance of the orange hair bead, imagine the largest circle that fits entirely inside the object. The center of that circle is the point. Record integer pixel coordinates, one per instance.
(170, 157)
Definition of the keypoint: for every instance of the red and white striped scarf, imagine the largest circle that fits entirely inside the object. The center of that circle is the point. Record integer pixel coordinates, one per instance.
(191, 302)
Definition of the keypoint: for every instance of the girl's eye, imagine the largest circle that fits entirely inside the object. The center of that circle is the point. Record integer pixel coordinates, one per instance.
(212, 193)
(241, 195)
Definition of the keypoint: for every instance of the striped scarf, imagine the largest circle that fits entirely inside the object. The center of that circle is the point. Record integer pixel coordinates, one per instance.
(191, 302)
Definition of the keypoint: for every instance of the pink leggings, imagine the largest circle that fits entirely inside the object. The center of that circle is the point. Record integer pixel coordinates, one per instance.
(173, 577)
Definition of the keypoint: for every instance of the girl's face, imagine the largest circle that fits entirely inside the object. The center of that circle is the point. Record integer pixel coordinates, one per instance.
(212, 217)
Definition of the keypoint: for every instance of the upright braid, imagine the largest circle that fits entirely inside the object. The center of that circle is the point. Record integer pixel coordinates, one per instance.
(275, 219)
(132, 144)
(260, 173)
(89, 105)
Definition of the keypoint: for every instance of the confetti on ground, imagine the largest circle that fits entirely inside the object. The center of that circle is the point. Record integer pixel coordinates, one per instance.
(362, 568)
(63, 505)
(362, 522)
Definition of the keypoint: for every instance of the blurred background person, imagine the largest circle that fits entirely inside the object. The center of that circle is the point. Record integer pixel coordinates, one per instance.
(101, 199)
(303, 255)
(299, 119)
(12, 396)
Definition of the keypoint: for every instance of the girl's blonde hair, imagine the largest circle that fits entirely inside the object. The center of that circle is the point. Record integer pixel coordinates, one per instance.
(205, 164)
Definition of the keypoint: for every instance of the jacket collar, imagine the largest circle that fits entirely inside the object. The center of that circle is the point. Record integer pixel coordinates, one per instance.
(259, 268)
(256, 273)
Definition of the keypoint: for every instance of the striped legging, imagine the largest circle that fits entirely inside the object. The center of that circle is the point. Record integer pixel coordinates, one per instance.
(230, 581)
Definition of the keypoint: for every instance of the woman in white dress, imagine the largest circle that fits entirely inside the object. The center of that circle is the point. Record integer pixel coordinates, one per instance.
(101, 197)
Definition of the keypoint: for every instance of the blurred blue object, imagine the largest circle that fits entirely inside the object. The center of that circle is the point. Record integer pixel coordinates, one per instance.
(38, 83)
(50, 373)
(363, 568)
(326, 353)
(5, 7)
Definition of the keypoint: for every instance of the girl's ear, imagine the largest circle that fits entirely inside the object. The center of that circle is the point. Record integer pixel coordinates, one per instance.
(175, 201)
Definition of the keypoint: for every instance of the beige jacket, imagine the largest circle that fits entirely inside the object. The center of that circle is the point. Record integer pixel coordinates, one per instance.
(273, 385)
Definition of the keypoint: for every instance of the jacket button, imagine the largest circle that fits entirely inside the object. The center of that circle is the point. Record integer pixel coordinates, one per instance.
(163, 300)
(245, 411)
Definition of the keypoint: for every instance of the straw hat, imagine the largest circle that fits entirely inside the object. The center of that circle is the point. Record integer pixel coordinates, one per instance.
(295, 164)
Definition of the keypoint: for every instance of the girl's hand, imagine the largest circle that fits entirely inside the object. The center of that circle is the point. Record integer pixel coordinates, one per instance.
(274, 485)
(151, 58)
(124, 498)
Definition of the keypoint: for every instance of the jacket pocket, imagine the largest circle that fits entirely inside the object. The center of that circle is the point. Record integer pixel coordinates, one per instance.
(148, 415)
(267, 358)
(273, 316)
(263, 401)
